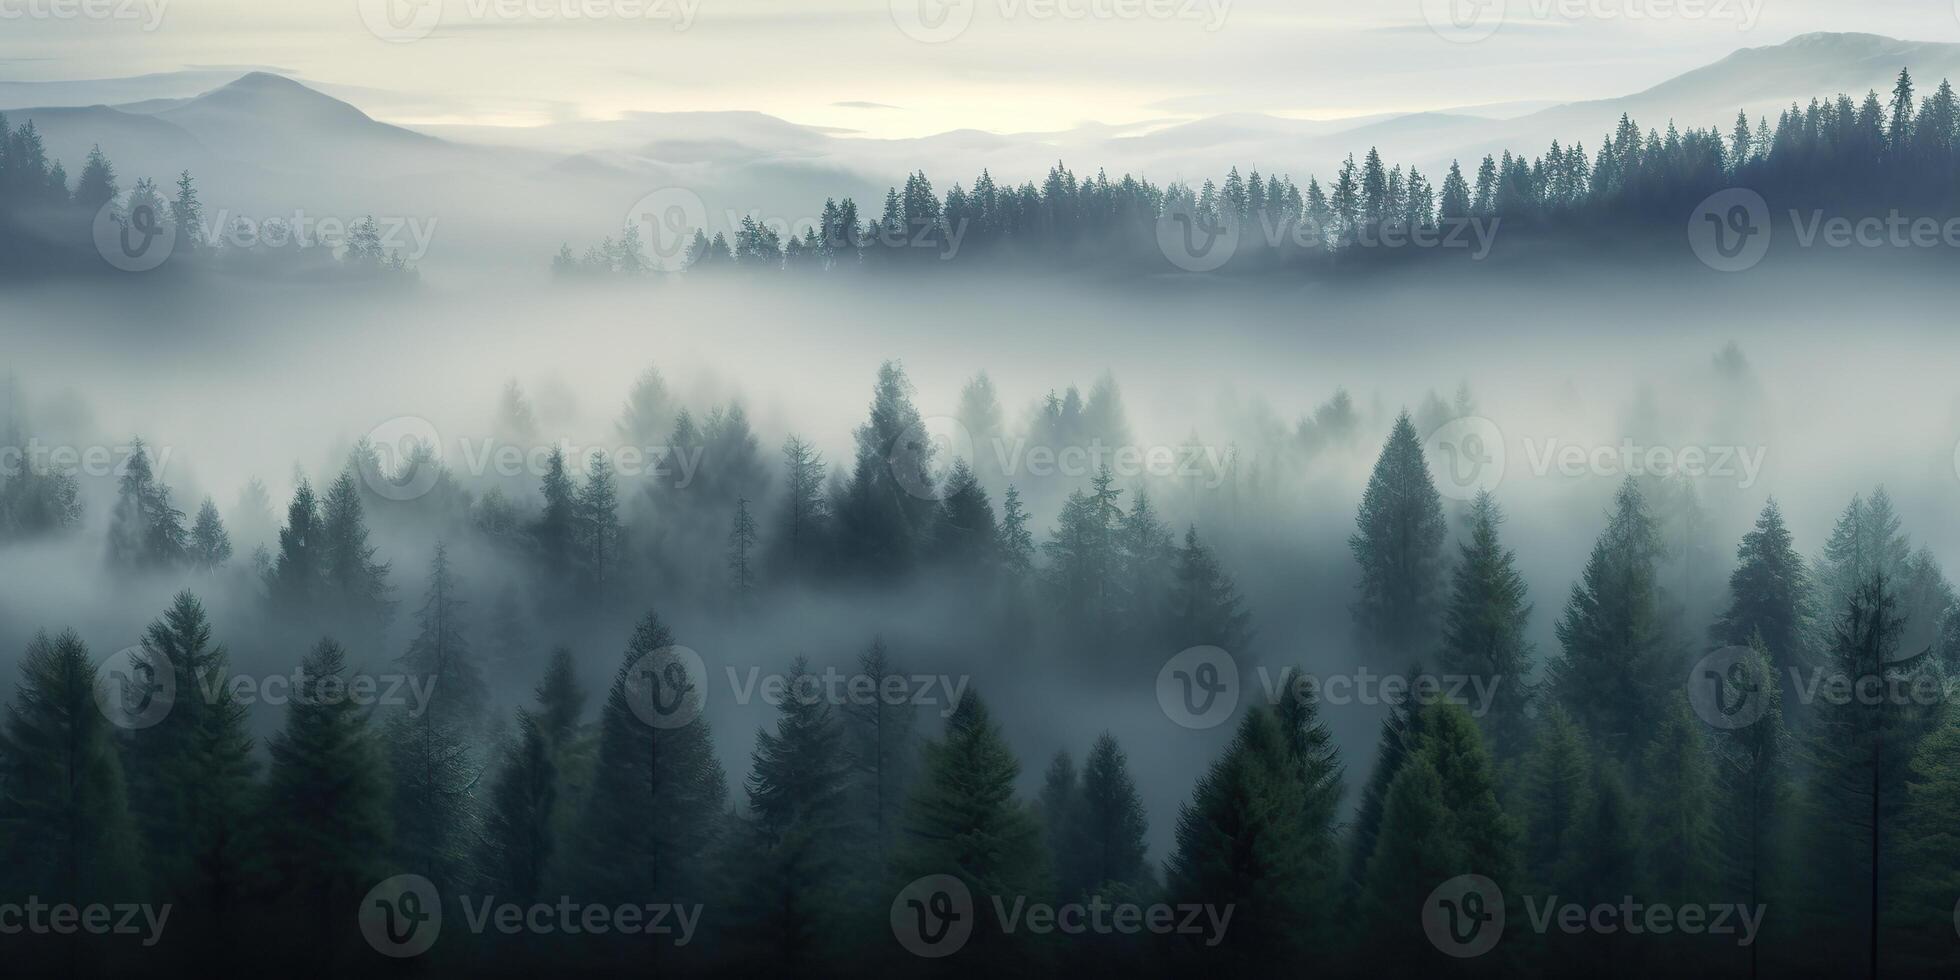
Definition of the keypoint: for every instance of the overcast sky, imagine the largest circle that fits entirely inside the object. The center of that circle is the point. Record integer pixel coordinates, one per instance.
(870, 66)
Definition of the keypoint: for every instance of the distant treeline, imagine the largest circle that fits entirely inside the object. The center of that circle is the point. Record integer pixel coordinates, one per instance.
(1840, 154)
(48, 229)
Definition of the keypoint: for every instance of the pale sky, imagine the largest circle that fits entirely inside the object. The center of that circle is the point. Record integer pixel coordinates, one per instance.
(1016, 66)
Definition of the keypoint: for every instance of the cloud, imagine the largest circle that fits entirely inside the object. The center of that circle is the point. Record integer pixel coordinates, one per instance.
(863, 105)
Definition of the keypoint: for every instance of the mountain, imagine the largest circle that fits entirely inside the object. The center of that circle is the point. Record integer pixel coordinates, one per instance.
(277, 123)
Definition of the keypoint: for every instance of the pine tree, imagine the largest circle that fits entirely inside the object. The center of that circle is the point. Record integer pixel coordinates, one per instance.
(1398, 542)
(68, 831)
(964, 534)
(1769, 596)
(518, 842)
(1395, 744)
(799, 539)
(649, 410)
(1616, 658)
(741, 547)
(296, 573)
(190, 775)
(325, 820)
(1204, 608)
(788, 862)
(963, 820)
(1858, 751)
(560, 700)
(1754, 800)
(144, 530)
(1679, 784)
(1484, 629)
(1015, 543)
(886, 511)
(980, 414)
(881, 732)
(596, 522)
(434, 814)
(355, 583)
(651, 812)
(1440, 819)
(1144, 562)
(97, 185)
(1556, 791)
(210, 546)
(1919, 910)
(556, 532)
(1059, 789)
(440, 652)
(1243, 841)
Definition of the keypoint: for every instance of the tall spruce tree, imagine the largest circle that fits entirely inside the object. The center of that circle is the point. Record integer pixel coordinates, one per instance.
(1754, 801)
(1398, 544)
(1857, 754)
(1770, 597)
(597, 530)
(1555, 792)
(294, 579)
(1484, 629)
(325, 820)
(883, 750)
(145, 531)
(964, 533)
(1617, 659)
(1243, 840)
(1106, 827)
(209, 545)
(963, 819)
(356, 585)
(518, 838)
(440, 652)
(886, 512)
(652, 810)
(1440, 820)
(190, 775)
(1204, 608)
(799, 541)
(788, 859)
